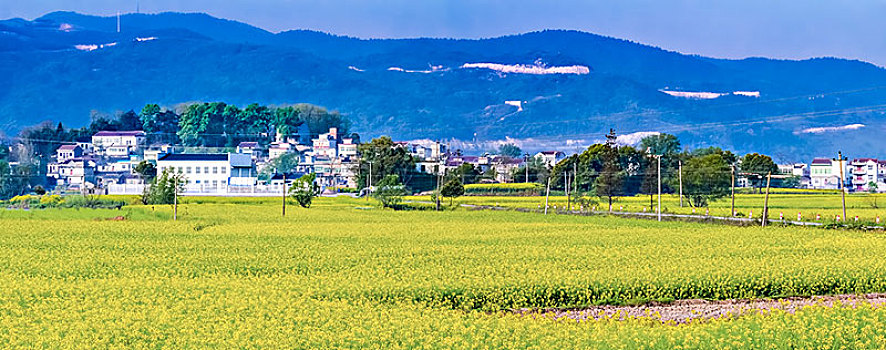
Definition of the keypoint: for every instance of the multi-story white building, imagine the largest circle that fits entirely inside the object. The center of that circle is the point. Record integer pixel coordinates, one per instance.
(118, 143)
(866, 171)
(66, 152)
(278, 149)
(550, 158)
(210, 172)
(155, 152)
(824, 173)
(251, 148)
(74, 173)
(326, 145)
(347, 148)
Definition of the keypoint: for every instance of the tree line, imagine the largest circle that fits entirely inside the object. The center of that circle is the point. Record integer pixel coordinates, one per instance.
(609, 170)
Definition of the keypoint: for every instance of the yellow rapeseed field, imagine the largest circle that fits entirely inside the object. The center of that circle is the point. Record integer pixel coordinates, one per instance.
(345, 274)
(820, 206)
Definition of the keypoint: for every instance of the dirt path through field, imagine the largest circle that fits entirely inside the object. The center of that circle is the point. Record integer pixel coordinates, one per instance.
(683, 311)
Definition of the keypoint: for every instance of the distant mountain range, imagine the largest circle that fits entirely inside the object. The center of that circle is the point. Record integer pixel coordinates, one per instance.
(545, 89)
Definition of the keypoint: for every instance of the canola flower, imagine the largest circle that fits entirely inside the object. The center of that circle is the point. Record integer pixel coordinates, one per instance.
(238, 275)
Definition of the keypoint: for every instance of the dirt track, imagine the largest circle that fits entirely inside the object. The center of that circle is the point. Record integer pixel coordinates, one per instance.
(683, 311)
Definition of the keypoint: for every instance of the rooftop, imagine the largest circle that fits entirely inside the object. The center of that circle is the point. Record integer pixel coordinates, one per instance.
(120, 133)
(249, 144)
(67, 147)
(184, 157)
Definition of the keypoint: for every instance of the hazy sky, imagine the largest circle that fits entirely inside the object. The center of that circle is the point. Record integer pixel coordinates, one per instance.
(728, 28)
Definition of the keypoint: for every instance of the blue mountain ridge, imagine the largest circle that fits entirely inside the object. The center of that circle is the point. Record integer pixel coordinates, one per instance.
(196, 57)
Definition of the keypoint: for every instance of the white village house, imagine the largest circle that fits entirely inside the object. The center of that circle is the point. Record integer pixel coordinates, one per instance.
(824, 173)
(118, 143)
(209, 173)
(550, 158)
(866, 171)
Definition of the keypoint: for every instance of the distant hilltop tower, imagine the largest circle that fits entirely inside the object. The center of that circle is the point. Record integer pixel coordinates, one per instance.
(118, 21)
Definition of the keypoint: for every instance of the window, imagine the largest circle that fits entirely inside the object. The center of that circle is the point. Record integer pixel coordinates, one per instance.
(224, 170)
(181, 170)
(197, 170)
(215, 170)
(188, 170)
(206, 170)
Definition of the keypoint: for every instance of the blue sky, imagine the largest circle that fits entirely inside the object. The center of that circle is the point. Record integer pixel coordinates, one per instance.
(734, 28)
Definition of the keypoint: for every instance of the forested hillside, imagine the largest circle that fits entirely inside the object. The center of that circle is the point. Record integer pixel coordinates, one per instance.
(544, 89)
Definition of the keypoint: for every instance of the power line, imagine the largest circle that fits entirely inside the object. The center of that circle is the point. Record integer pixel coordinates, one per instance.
(675, 111)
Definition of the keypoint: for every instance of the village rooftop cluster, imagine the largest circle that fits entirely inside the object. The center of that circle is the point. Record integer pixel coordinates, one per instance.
(107, 164)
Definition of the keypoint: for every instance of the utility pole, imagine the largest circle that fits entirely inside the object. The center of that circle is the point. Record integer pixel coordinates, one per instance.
(659, 187)
(284, 194)
(842, 184)
(369, 188)
(680, 163)
(547, 194)
(526, 156)
(566, 188)
(732, 208)
(575, 177)
(175, 197)
(766, 201)
(439, 180)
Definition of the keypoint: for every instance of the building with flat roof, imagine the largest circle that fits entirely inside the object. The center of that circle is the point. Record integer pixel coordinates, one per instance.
(210, 172)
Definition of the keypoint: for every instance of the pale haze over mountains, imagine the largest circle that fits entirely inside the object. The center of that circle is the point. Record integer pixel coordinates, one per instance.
(541, 89)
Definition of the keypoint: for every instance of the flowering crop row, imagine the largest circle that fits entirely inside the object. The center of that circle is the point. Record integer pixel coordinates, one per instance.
(239, 275)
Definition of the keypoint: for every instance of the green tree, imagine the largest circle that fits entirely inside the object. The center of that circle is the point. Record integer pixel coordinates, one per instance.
(727, 156)
(192, 125)
(756, 167)
(163, 189)
(11, 184)
(319, 120)
(649, 186)
(538, 171)
(789, 182)
(161, 125)
(389, 191)
(609, 183)
(260, 120)
(304, 189)
(466, 172)
(129, 121)
(99, 121)
(284, 164)
(510, 150)
(705, 179)
(666, 145)
(452, 189)
(146, 170)
(387, 158)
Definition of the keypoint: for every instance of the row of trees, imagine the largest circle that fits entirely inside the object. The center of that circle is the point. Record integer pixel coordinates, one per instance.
(219, 124)
(609, 170)
(604, 170)
(214, 124)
